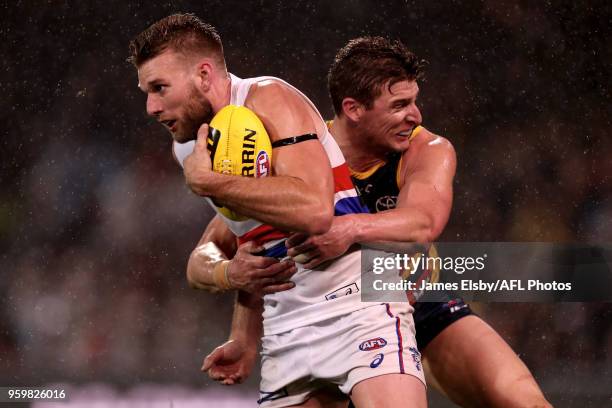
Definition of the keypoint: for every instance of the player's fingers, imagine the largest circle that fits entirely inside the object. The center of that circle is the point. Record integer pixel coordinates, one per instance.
(286, 274)
(305, 257)
(216, 376)
(228, 381)
(279, 287)
(295, 239)
(202, 135)
(237, 378)
(263, 282)
(212, 358)
(276, 269)
(206, 364)
(261, 263)
(313, 263)
(300, 249)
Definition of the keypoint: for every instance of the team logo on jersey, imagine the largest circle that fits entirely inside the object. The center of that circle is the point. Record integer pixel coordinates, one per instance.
(262, 164)
(386, 203)
(416, 357)
(367, 189)
(373, 344)
(377, 360)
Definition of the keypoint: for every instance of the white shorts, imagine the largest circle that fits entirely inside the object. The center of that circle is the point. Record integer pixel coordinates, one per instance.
(345, 350)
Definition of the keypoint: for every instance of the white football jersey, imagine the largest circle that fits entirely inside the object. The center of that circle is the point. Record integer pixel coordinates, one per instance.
(319, 294)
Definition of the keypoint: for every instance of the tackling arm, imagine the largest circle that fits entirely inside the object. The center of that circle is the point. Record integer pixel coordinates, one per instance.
(424, 201)
(423, 208)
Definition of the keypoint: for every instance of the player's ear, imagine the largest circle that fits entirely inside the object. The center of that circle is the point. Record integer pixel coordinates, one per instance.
(204, 74)
(352, 109)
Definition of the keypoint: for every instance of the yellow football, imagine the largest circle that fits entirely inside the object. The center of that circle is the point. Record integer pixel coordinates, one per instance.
(239, 145)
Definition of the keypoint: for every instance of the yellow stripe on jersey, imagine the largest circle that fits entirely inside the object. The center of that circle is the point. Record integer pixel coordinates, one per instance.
(398, 173)
(362, 175)
(415, 132)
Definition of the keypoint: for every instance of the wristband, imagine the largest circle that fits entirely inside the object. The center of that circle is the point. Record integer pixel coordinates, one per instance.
(220, 277)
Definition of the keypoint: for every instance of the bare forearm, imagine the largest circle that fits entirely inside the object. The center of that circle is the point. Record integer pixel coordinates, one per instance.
(397, 225)
(261, 199)
(247, 320)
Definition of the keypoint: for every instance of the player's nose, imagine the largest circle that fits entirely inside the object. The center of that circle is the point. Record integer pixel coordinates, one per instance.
(154, 106)
(414, 115)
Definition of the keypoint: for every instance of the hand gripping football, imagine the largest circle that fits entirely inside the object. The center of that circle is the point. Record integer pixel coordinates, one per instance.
(240, 146)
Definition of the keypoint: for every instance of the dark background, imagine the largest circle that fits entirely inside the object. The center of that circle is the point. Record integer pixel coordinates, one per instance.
(96, 224)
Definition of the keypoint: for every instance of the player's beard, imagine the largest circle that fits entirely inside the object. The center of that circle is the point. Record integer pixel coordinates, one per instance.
(198, 111)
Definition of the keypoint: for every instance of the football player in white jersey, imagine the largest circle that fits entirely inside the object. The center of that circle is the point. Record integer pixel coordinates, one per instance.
(186, 82)
(182, 70)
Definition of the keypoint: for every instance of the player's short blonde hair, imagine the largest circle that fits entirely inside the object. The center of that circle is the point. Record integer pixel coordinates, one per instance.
(183, 33)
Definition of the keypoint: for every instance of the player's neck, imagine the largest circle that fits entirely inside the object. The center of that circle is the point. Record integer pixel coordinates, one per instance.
(220, 93)
(359, 157)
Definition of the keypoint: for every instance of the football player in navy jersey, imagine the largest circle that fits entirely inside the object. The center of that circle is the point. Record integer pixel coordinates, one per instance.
(404, 173)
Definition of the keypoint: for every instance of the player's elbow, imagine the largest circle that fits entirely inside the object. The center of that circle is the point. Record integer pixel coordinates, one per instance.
(320, 218)
(319, 224)
(320, 227)
(427, 232)
(429, 226)
(423, 235)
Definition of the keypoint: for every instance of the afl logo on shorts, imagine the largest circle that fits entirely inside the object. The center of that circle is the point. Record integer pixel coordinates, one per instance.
(373, 344)
(262, 164)
(386, 203)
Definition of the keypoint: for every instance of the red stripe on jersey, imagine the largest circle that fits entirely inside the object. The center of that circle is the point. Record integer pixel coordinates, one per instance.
(262, 234)
(342, 178)
(265, 233)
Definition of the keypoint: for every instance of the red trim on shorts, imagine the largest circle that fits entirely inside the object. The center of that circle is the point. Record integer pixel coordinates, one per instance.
(400, 351)
(400, 340)
(388, 310)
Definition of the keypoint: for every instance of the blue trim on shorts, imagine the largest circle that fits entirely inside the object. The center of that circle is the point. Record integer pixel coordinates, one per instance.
(400, 341)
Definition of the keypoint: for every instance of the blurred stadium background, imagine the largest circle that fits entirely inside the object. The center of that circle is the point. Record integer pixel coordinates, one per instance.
(96, 223)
